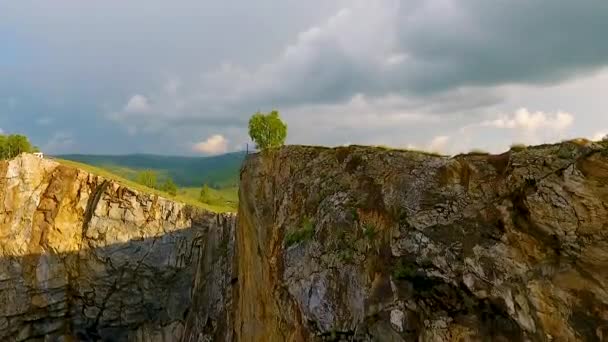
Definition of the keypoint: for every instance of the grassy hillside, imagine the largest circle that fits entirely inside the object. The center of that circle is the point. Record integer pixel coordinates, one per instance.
(189, 173)
(224, 197)
(218, 171)
(187, 195)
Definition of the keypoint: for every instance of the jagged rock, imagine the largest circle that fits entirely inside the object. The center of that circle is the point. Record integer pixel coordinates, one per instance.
(404, 246)
(85, 259)
(344, 244)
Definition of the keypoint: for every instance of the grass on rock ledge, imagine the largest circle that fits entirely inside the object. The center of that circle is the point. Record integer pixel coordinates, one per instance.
(183, 196)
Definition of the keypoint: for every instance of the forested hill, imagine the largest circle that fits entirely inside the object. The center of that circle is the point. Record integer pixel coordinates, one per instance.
(216, 171)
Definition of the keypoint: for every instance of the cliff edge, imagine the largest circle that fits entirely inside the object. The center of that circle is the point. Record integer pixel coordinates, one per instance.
(83, 258)
(368, 244)
(331, 244)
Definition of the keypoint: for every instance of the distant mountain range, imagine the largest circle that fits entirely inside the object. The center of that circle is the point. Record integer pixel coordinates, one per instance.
(218, 171)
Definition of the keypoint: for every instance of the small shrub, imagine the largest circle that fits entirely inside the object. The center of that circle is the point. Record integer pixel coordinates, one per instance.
(345, 255)
(305, 233)
(404, 271)
(518, 147)
(147, 178)
(478, 152)
(565, 153)
(355, 214)
(369, 230)
(169, 187)
(205, 194)
(604, 143)
(581, 141)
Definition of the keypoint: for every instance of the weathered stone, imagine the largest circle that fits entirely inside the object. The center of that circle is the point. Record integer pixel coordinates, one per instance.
(409, 246)
(345, 244)
(83, 258)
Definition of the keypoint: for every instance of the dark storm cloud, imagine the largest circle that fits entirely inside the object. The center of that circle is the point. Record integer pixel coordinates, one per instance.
(421, 50)
(440, 45)
(494, 42)
(210, 64)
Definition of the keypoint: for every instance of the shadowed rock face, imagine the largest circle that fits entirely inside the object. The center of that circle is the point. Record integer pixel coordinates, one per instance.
(84, 259)
(353, 243)
(367, 244)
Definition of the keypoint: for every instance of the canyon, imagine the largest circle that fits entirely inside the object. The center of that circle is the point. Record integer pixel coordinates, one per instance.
(329, 244)
(83, 258)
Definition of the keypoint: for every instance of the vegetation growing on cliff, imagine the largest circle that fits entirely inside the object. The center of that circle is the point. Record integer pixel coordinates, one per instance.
(184, 195)
(403, 270)
(169, 187)
(517, 147)
(478, 152)
(219, 172)
(205, 194)
(174, 176)
(217, 196)
(369, 230)
(147, 178)
(304, 233)
(267, 130)
(14, 144)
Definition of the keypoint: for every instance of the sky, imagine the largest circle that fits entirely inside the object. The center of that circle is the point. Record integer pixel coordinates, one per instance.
(183, 77)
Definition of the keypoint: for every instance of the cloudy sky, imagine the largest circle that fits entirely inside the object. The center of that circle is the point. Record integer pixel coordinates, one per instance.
(183, 77)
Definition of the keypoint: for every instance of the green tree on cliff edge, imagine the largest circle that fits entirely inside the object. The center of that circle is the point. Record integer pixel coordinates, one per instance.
(169, 187)
(147, 178)
(13, 145)
(267, 130)
(205, 194)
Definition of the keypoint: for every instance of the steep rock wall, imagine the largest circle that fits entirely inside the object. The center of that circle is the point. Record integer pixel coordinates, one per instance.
(369, 244)
(85, 259)
(353, 243)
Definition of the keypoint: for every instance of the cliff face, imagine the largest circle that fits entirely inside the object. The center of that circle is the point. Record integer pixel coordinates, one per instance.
(369, 244)
(352, 243)
(85, 259)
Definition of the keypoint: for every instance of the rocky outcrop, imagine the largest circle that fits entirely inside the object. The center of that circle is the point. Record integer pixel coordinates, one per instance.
(83, 258)
(211, 317)
(345, 244)
(369, 244)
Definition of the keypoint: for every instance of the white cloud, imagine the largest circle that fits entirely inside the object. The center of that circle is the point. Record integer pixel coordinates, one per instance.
(137, 104)
(1, 131)
(364, 112)
(522, 126)
(172, 86)
(525, 120)
(320, 55)
(396, 59)
(439, 143)
(365, 75)
(215, 144)
(600, 135)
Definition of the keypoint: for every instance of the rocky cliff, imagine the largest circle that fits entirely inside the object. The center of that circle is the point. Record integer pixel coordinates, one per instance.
(85, 259)
(345, 244)
(369, 244)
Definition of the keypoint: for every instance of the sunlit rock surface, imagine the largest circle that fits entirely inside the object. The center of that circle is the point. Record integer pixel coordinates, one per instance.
(84, 259)
(345, 244)
(370, 244)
